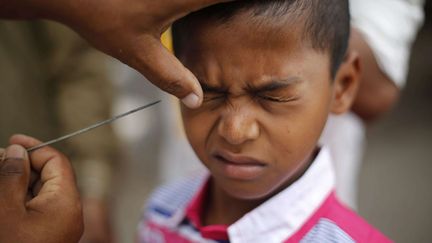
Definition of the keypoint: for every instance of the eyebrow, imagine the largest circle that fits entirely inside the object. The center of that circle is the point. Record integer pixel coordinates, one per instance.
(266, 87)
(274, 85)
(214, 89)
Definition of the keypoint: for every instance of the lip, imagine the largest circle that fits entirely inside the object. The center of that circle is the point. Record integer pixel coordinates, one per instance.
(237, 166)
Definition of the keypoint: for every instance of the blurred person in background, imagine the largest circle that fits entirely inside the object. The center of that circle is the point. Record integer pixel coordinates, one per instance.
(62, 86)
(382, 33)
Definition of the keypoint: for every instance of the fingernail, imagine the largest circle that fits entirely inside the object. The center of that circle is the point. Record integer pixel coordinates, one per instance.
(191, 101)
(15, 152)
(12, 163)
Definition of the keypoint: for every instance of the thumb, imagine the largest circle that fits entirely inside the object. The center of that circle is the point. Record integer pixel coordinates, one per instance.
(14, 178)
(164, 70)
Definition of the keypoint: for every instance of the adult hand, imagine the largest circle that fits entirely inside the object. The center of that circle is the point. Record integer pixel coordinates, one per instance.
(39, 201)
(128, 30)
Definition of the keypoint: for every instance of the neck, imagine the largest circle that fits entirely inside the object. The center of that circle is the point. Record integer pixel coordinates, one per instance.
(223, 209)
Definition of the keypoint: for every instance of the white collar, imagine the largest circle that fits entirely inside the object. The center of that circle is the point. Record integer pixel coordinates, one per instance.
(281, 216)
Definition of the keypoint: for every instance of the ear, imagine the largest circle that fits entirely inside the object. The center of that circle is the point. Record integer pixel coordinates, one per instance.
(346, 83)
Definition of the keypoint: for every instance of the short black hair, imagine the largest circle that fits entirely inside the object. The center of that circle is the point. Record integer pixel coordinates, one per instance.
(326, 22)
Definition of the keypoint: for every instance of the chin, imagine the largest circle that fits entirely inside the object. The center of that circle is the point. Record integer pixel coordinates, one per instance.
(247, 190)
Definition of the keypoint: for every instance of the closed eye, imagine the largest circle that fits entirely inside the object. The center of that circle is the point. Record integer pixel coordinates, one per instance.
(276, 99)
(276, 91)
(209, 96)
(212, 93)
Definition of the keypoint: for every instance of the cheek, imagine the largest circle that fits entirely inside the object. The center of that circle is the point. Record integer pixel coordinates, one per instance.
(294, 135)
(198, 126)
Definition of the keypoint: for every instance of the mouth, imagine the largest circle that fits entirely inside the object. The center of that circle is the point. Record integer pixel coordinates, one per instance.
(239, 167)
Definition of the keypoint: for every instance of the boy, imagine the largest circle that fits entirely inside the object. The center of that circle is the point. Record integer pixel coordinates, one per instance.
(266, 102)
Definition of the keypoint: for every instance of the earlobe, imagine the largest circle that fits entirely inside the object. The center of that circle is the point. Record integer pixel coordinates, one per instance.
(346, 83)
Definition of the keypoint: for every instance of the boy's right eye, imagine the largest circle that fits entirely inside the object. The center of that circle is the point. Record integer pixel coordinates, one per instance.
(213, 96)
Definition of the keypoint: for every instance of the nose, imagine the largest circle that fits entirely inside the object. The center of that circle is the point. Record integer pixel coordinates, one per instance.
(238, 126)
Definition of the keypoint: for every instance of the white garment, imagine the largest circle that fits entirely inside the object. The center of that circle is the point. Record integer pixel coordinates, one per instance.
(344, 135)
(389, 27)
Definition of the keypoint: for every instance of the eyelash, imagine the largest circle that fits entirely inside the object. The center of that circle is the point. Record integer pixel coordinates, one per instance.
(269, 98)
(261, 97)
(275, 99)
(213, 96)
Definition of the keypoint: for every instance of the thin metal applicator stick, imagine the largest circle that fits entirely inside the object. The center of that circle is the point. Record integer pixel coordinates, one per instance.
(101, 123)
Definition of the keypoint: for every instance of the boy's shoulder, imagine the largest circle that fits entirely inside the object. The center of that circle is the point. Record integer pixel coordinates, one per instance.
(335, 221)
(168, 202)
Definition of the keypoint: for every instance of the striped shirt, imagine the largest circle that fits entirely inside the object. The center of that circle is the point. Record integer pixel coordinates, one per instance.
(306, 211)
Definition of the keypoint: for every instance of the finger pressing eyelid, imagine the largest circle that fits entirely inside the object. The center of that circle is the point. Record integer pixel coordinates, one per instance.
(164, 70)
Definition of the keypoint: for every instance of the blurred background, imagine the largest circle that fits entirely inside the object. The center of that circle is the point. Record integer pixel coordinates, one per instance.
(396, 179)
(395, 183)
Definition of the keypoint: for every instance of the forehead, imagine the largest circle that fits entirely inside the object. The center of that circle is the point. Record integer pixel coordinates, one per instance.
(246, 27)
(249, 48)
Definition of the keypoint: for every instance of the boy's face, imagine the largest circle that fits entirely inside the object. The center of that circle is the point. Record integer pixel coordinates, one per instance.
(267, 95)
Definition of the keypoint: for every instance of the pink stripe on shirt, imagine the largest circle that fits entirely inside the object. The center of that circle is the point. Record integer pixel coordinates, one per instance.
(357, 228)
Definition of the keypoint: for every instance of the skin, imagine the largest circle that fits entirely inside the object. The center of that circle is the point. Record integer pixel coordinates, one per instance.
(39, 199)
(266, 101)
(97, 223)
(127, 30)
(136, 42)
(377, 93)
(132, 35)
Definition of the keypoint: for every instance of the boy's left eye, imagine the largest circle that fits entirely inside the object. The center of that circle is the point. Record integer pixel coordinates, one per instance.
(275, 98)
